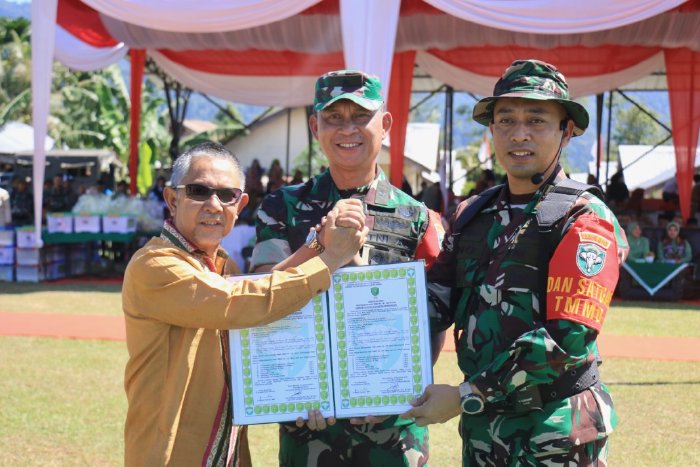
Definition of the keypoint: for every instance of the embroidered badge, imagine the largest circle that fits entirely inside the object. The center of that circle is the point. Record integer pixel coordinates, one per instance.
(590, 258)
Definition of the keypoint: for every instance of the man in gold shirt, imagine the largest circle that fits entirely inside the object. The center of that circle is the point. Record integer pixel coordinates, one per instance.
(178, 304)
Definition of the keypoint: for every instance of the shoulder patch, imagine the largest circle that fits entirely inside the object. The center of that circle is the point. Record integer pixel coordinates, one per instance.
(590, 258)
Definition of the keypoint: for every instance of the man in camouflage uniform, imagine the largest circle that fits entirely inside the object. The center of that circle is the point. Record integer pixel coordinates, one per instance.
(527, 279)
(349, 121)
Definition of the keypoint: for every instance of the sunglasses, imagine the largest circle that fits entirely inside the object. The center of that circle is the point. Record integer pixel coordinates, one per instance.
(197, 192)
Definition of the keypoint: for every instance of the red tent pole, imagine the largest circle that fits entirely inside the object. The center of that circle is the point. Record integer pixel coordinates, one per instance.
(399, 101)
(683, 75)
(138, 62)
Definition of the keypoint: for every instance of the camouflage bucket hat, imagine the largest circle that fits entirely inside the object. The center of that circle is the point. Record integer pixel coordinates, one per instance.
(361, 88)
(533, 79)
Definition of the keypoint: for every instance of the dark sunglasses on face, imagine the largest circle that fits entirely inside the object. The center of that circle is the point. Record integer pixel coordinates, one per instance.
(197, 192)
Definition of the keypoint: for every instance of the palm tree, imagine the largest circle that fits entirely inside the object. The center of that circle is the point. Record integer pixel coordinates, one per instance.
(15, 70)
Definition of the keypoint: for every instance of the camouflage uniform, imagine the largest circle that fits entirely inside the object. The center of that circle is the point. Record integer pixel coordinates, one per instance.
(400, 231)
(505, 342)
(527, 305)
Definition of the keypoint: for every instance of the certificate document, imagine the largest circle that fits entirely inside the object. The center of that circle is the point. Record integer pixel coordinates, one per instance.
(362, 348)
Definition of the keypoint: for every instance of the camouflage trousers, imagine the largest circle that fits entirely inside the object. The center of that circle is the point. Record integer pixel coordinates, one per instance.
(528, 448)
(386, 444)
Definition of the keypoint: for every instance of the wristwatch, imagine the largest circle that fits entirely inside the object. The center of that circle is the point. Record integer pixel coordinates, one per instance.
(312, 241)
(472, 404)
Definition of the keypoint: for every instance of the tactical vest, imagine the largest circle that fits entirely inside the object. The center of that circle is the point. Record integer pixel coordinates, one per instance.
(523, 266)
(532, 244)
(395, 230)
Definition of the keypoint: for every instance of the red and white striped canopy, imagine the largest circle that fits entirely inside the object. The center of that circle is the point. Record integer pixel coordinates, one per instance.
(269, 52)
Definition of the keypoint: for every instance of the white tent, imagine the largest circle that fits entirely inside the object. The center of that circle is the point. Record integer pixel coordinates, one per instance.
(18, 137)
(647, 168)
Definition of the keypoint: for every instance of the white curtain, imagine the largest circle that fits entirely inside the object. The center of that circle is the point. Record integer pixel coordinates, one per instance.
(426, 31)
(321, 33)
(482, 85)
(43, 26)
(78, 55)
(283, 91)
(200, 15)
(301, 33)
(554, 16)
(369, 33)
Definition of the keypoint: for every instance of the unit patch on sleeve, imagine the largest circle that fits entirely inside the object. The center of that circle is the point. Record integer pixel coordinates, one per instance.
(583, 273)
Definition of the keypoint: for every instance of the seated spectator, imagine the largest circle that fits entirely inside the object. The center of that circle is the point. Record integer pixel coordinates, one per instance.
(122, 190)
(592, 180)
(672, 248)
(58, 198)
(695, 196)
(298, 178)
(253, 178)
(275, 175)
(5, 211)
(432, 197)
(617, 192)
(635, 203)
(669, 192)
(639, 245)
(486, 181)
(22, 204)
(156, 193)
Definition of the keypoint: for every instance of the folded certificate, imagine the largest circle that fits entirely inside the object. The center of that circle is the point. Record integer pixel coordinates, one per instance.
(362, 348)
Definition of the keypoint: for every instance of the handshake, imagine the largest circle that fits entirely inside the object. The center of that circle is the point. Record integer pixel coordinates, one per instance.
(341, 233)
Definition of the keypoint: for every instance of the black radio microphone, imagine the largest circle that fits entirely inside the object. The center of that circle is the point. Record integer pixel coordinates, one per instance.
(538, 178)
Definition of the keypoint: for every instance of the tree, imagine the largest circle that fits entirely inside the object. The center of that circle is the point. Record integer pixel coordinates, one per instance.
(633, 126)
(15, 70)
(229, 125)
(318, 160)
(91, 110)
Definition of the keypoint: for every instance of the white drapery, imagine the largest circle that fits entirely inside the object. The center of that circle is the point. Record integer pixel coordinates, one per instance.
(321, 33)
(198, 15)
(43, 37)
(285, 91)
(554, 16)
(369, 33)
(78, 55)
(482, 85)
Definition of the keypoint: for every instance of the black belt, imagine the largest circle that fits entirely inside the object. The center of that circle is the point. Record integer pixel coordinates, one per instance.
(534, 397)
(570, 383)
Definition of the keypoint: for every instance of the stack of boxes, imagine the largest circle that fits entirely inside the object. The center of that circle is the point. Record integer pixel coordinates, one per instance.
(22, 261)
(30, 260)
(7, 254)
(87, 223)
(114, 223)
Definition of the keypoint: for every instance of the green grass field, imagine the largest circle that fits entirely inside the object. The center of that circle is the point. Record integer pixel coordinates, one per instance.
(63, 401)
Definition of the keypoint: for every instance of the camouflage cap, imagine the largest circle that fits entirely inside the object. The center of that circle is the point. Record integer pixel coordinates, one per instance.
(532, 79)
(359, 87)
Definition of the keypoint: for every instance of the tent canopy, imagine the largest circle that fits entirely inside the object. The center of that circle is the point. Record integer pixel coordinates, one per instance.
(269, 52)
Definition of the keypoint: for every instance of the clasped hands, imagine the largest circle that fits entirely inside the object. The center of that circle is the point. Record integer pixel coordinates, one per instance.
(348, 214)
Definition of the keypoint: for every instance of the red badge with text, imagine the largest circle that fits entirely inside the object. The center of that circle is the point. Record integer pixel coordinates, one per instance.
(583, 273)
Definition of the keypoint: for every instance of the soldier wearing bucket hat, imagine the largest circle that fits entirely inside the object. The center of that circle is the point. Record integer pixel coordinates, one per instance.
(349, 122)
(526, 275)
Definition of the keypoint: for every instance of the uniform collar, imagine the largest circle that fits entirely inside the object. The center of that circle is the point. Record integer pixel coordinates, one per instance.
(170, 233)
